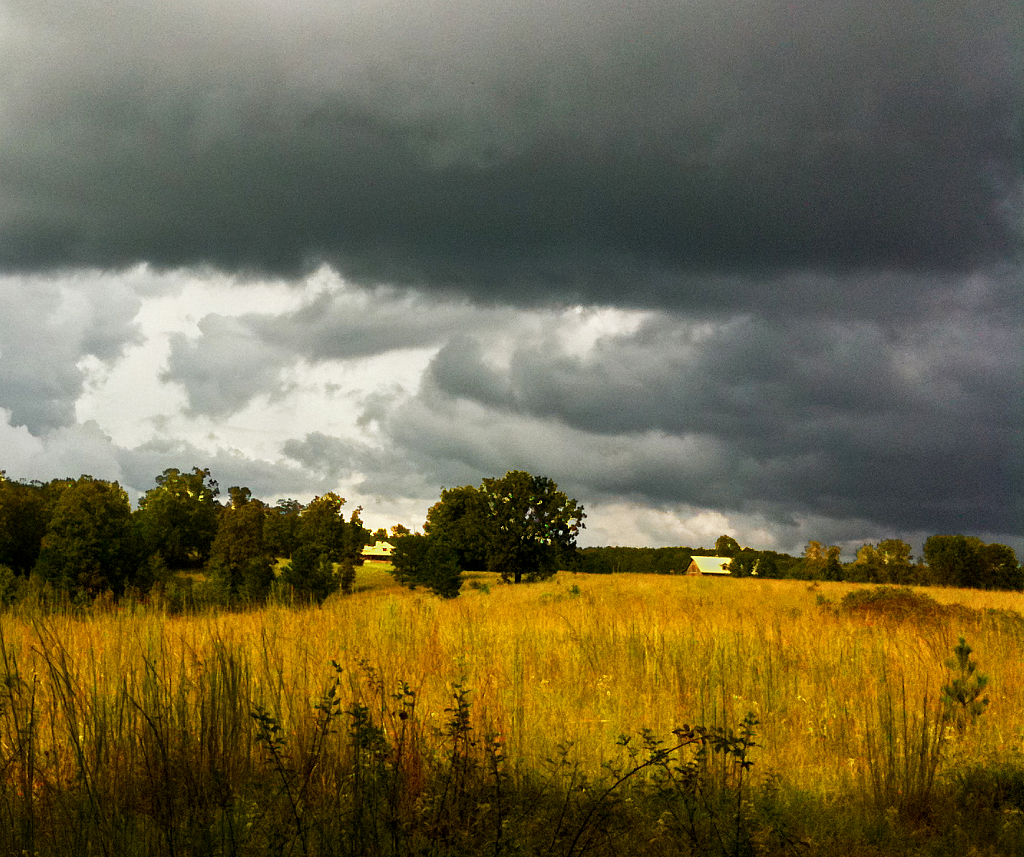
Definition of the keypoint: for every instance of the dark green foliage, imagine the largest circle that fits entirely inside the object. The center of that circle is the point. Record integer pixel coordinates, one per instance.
(322, 526)
(818, 562)
(954, 560)
(281, 527)
(239, 556)
(153, 574)
(520, 525)
(1002, 570)
(833, 569)
(311, 573)
(346, 576)
(674, 560)
(744, 563)
(889, 562)
(428, 561)
(531, 526)
(409, 558)
(257, 576)
(595, 561)
(443, 574)
(8, 586)
(323, 539)
(89, 545)
(461, 516)
(967, 561)
(962, 695)
(25, 510)
(179, 517)
(727, 546)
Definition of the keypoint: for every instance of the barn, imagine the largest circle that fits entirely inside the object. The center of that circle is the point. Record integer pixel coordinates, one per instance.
(708, 565)
(380, 552)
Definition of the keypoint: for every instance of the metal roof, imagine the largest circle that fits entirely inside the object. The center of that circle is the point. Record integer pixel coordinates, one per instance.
(711, 564)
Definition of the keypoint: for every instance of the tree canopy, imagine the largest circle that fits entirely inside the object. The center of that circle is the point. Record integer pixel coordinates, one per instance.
(239, 557)
(179, 516)
(324, 538)
(967, 561)
(89, 544)
(519, 525)
(25, 510)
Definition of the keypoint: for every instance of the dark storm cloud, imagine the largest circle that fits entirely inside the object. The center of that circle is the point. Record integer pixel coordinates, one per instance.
(583, 151)
(915, 425)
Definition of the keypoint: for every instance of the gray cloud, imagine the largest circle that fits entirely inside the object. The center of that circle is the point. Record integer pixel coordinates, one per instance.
(267, 479)
(822, 205)
(235, 359)
(915, 425)
(356, 323)
(222, 370)
(48, 326)
(582, 152)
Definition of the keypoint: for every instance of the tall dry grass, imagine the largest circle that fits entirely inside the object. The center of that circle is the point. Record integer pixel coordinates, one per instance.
(545, 665)
(113, 696)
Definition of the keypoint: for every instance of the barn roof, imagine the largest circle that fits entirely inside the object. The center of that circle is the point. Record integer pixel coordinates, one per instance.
(382, 549)
(711, 564)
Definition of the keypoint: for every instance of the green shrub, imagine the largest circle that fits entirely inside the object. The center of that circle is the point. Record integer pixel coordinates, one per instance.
(897, 603)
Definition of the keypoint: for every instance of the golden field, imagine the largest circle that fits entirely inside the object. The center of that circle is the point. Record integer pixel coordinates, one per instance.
(580, 659)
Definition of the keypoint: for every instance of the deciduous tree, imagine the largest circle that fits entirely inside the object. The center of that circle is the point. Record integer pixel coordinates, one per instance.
(178, 517)
(519, 525)
(955, 560)
(428, 561)
(727, 546)
(461, 515)
(89, 544)
(24, 514)
(281, 527)
(239, 556)
(326, 538)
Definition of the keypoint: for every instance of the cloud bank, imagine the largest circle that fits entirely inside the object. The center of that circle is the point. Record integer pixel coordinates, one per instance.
(659, 153)
(754, 265)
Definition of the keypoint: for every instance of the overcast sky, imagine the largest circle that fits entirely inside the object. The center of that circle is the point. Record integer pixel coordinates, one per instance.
(750, 267)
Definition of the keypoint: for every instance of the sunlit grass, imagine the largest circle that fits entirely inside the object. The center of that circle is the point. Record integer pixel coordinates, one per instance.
(577, 659)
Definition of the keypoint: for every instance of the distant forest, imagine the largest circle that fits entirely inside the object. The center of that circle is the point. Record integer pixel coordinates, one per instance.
(948, 560)
(183, 547)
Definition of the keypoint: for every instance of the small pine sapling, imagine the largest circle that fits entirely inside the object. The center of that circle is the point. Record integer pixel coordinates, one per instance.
(963, 695)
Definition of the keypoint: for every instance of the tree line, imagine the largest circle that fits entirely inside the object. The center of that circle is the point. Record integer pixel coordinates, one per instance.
(80, 537)
(946, 560)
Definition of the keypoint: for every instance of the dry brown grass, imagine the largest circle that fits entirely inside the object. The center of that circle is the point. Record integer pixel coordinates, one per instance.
(579, 659)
